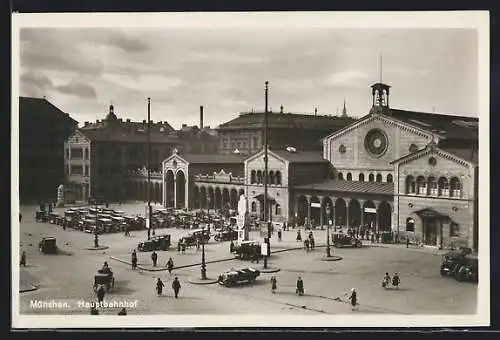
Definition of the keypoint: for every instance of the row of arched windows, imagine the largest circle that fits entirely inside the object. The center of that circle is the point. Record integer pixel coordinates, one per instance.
(433, 186)
(361, 177)
(257, 177)
(277, 208)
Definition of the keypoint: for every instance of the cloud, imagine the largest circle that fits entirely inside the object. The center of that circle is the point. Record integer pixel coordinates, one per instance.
(35, 84)
(345, 77)
(127, 44)
(78, 89)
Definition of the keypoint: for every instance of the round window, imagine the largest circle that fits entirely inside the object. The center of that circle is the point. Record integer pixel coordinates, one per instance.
(432, 161)
(413, 148)
(342, 148)
(376, 142)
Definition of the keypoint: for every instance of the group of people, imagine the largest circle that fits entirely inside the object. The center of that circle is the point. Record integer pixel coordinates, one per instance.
(176, 286)
(154, 258)
(387, 281)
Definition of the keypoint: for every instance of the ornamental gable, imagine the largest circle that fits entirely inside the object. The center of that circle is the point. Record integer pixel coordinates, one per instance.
(173, 162)
(77, 138)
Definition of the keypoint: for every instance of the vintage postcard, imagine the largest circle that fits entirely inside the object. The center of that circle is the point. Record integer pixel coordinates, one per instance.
(298, 169)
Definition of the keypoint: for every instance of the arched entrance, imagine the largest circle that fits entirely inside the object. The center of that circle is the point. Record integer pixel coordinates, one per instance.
(203, 198)
(180, 182)
(301, 212)
(354, 213)
(369, 214)
(315, 211)
(384, 216)
(196, 197)
(234, 199)
(169, 189)
(241, 192)
(225, 198)
(218, 199)
(340, 212)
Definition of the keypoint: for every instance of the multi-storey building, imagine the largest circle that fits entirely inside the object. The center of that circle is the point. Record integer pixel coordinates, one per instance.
(43, 128)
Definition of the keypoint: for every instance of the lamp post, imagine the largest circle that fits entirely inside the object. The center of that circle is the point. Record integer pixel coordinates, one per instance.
(266, 219)
(96, 233)
(203, 265)
(328, 253)
(148, 216)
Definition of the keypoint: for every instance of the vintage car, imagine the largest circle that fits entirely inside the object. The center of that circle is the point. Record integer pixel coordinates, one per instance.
(41, 216)
(463, 265)
(96, 200)
(343, 240)
(48, 245)
(226, 235)
(246, 250)
(54, 217)
(235, 277)
(160, 242)
(190, 239)
(104, 277)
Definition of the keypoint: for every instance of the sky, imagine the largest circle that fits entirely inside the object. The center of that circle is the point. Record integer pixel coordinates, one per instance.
(83, 70)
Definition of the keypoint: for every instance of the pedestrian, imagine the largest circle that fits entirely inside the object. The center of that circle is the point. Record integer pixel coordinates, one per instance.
(159, 287)
(395, 280)
(231, 247)
(306, 245)
(378, 237)
(372, 238)
(279, 234)
(183, 247)
(179, 246)
(154, 257)
(197, 243)
(127, 232)
(123, 311)
(176, 286)
(23, 259)
(100, 293)
(300, 287)
(354, 298)
(407, 241)
(170, 265)
(134, 260)
(273, 284)
(299, 236)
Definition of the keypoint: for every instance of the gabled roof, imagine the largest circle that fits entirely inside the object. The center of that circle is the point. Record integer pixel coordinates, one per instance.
(301, 156)
(461, 156)
(42, 108)
(351, 186)
(255, 120)
(212, 158)
(126, 136)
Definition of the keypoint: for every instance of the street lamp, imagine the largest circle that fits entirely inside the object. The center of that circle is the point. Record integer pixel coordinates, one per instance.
(203, 265)
(96, 233)
(328, 254)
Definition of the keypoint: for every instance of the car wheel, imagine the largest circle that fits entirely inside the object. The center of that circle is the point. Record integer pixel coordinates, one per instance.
(442, 272)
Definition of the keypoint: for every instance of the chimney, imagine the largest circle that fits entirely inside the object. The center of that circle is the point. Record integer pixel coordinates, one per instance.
(86, 124)
(184, 125)
(315, 111)
(201, 117)
(128, 120)
(281, 109)
(144, 121)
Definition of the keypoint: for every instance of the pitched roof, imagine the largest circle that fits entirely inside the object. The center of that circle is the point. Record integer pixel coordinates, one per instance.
(212, 158)
(301, 156)
(464, 154)
(43, 108)
(448, 126)
(255, 120)
(351, 186)
(118, 134)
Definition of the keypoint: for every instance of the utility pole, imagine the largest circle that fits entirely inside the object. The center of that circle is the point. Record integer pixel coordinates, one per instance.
(148, 214)
(266, 217)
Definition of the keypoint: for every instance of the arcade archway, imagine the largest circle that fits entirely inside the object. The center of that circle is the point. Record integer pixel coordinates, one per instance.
(180, 182)
(234, 199)
(340, 212)
(384, 216)
(169, 189)
(354, 213)
(301, 212)
(369, 214)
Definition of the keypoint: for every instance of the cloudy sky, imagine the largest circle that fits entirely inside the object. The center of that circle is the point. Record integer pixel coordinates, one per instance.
(82, 70)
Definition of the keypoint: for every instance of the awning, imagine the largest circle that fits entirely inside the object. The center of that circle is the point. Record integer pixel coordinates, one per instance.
(260, 197)
(431, 213)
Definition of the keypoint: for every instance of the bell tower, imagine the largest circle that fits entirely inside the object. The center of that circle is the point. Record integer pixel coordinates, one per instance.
(380, 94)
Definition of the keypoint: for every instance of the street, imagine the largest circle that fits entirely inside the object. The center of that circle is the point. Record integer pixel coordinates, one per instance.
(68, 276)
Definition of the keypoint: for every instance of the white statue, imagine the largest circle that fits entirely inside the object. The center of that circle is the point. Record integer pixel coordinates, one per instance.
(241, 219)
(60, 195)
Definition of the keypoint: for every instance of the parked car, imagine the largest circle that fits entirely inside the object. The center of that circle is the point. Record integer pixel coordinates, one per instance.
(104, 277)
(463, 265)
(96, 200)
(235, 277)
(246, 250)
(160, 242)
(48, 245)
(190, 239)
(226, 235)
(341, 240)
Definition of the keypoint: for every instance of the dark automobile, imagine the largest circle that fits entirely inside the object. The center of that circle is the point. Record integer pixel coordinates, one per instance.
(96, 200)
(190, 240)
(104, 277)
(226, 235)
(247, 250)
(160, 242)
(235, 277)
(48, 245)
(463, 265)
(341, 240)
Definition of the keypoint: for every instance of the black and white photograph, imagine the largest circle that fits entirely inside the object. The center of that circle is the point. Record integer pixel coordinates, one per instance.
(265, 169)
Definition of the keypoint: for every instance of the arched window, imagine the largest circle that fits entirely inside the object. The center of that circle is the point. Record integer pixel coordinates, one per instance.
(252, 177)
(361, 177)
(421, 186)
(456, 187)
(379, 178)
(389, 178)
(254, 207)
(340, 176)
(278, 178)
(433, 186)
(277, 210)
(349, 176)
(444, 187)
(259, 177)
(410, 185)
(371, 178)
(410, 224)
(454, 230)
(271, 177)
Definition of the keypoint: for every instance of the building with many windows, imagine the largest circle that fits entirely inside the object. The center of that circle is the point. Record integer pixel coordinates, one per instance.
(43, 129)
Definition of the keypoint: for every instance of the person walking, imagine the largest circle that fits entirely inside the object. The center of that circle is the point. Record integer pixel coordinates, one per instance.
(299, 236)
(23, 259)
(273, 284)
(407, 241)
(300, 287)
(279, 234)
(170, 265)
(354, 298)
(306, 245)
(176, 286)
(101, 292)
(127, 232)
(231, 247)
(395, 280)
(134, 260)
(159, 287)
(178, 246)
(154, 257)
